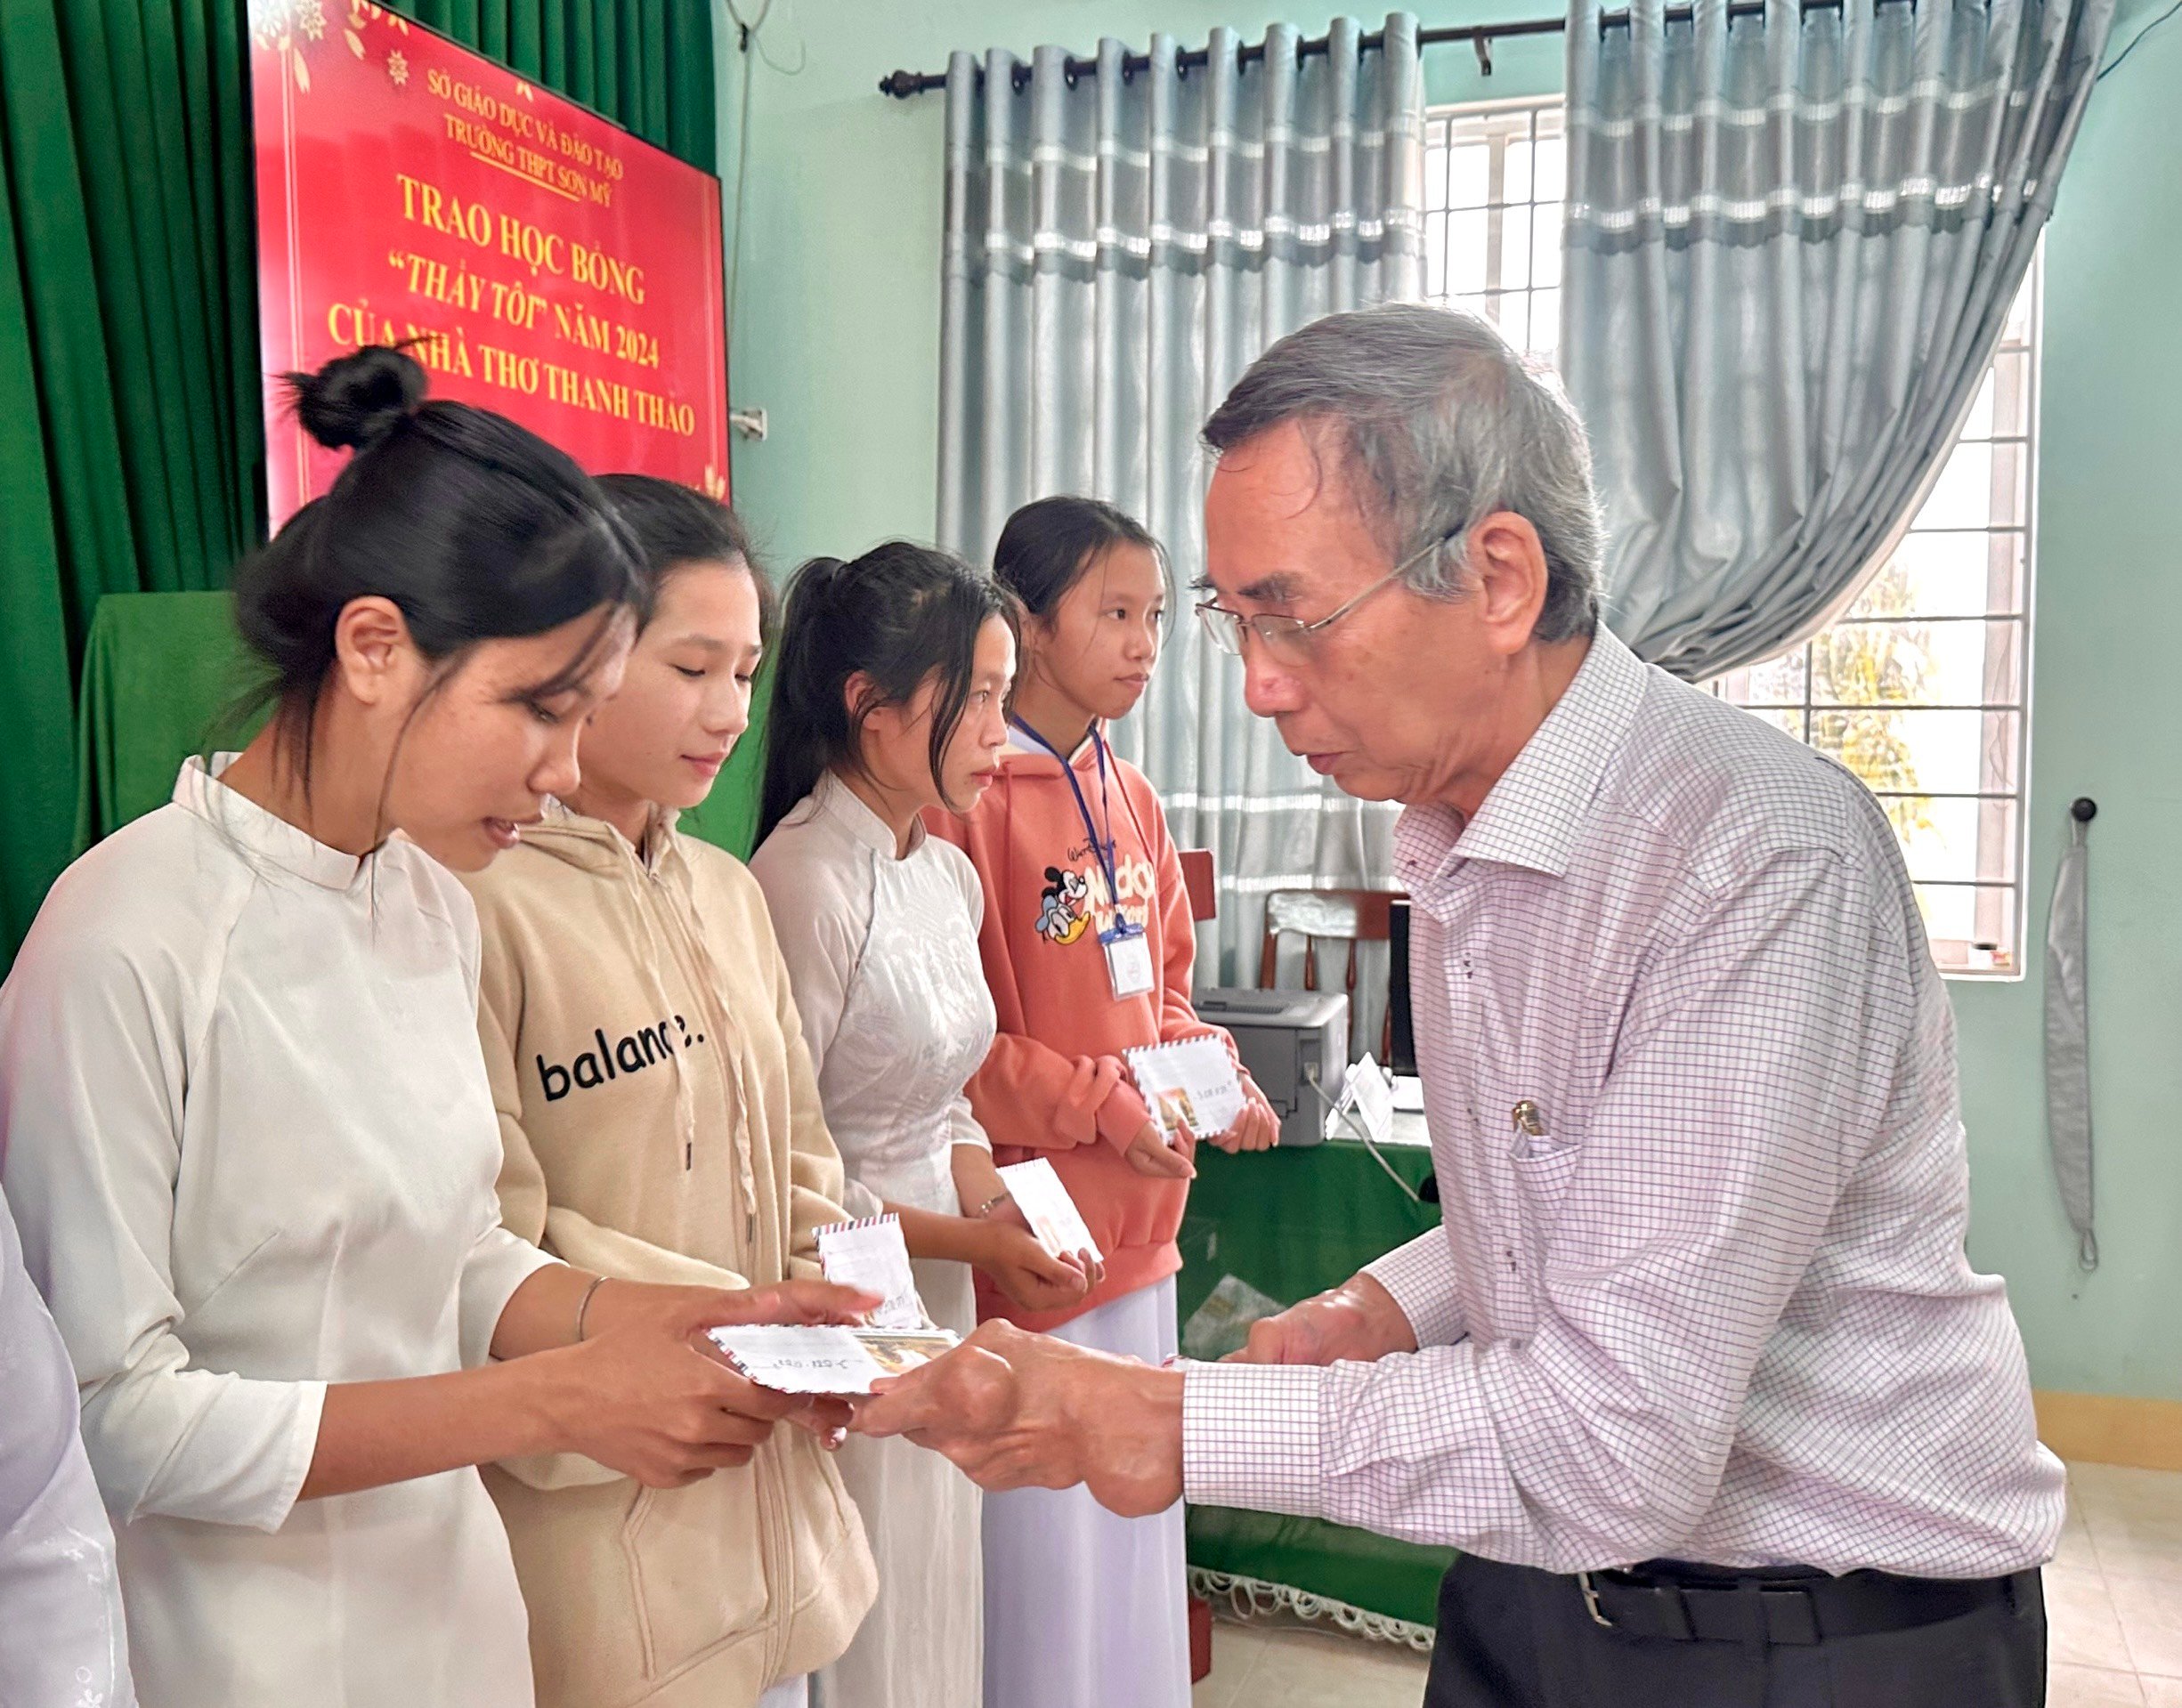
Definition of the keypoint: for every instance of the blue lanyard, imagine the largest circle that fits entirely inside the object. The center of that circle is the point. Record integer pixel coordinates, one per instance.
(1103, 850)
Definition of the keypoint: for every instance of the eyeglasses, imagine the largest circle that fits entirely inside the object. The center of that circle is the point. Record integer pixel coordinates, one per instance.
(1291, 637)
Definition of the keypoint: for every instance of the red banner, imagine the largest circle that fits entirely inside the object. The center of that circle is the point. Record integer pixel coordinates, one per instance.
(537, 259)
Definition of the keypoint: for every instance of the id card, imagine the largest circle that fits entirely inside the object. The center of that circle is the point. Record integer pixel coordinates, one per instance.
(1129, 960)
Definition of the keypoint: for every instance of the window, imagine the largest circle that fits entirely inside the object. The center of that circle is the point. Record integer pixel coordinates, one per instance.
(1921, 686)
(1495, 177)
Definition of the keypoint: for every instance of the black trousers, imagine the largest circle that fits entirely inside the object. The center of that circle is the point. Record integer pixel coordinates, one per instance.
(1514, 1637)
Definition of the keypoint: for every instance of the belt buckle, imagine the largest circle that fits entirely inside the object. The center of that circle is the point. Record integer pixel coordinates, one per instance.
(1591, 1601)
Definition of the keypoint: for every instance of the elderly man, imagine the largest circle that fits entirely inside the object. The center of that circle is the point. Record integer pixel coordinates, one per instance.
(1696, 1374)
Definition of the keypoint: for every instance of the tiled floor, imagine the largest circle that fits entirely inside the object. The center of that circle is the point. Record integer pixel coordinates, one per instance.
(2113, 1594)
(1301, 1666)
(2114, 1598)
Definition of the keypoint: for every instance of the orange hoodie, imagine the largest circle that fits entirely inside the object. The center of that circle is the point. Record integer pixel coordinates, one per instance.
(1046, 902)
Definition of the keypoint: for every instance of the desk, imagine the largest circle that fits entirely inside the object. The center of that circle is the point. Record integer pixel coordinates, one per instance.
(1291, 1223)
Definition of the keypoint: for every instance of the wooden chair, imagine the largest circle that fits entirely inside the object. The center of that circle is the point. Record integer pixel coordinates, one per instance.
(1197, 876)
(1350, 916)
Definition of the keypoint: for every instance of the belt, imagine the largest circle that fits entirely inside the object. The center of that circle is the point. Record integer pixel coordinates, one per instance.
(1686, 1604)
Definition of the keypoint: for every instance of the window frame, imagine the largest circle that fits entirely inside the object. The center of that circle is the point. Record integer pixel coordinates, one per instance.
(1999, 949)
(1440, 119)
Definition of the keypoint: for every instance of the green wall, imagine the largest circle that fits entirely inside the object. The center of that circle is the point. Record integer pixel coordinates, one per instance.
(2107, 722)
(837, 336)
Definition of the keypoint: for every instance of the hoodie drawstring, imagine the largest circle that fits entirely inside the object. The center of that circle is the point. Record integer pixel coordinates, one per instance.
(651, 869)
(657, 953)
(711, 980)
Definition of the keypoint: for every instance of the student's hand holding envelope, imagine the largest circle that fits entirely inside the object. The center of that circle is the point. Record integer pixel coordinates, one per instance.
(686, 1312)
(1026, 1272)
(1256, 1129)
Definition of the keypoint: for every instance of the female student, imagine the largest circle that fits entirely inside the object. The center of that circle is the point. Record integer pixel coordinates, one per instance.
(249, 1137)
(1088, 945)
(893, 672)
(659, 1122)
(62, 1631)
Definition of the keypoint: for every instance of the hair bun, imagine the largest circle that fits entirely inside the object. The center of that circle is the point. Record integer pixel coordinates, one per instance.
(359, 399)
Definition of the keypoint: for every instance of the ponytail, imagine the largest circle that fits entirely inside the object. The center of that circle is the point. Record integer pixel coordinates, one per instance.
(898, 615)
(800, 736)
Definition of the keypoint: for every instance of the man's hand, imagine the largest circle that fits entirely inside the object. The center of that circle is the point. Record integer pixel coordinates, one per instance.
(1025, 1410)
(1358, 1321)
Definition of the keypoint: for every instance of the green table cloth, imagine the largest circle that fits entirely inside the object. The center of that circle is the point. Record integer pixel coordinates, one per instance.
(1291, 1223)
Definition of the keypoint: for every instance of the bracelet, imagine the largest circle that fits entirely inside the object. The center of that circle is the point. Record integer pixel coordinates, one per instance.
(994, 1204)
(583, 1305)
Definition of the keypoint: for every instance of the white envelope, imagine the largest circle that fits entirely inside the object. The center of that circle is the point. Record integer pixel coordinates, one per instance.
(1048, 1208)
(1191, 1084)
(1365, 1109)
(872, 1256)
(827, 1360)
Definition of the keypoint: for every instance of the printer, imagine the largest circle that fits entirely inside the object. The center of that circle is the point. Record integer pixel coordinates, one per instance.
(1296, 1045)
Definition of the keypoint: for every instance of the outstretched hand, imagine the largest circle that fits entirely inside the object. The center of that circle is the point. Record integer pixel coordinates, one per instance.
(653, 1397)
(1025, 1410)
(1356, 1321)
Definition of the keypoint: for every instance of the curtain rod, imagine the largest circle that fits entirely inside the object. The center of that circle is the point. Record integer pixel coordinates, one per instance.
(903, 85)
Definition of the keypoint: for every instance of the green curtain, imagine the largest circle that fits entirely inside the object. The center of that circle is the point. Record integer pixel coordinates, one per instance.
(645, 64)
(131, 449)
(128, 415)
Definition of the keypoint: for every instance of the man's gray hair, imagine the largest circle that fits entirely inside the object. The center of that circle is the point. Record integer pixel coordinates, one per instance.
(1438, 423)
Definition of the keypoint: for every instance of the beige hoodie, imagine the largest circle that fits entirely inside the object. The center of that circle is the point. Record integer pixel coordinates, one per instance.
(660, 1124)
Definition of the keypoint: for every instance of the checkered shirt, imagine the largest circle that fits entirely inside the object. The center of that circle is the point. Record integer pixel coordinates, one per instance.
(1716, 1306)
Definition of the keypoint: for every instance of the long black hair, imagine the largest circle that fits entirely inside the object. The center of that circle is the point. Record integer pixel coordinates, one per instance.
(899, 614)
(676, 526)
(1049, 545)
(474, 528)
